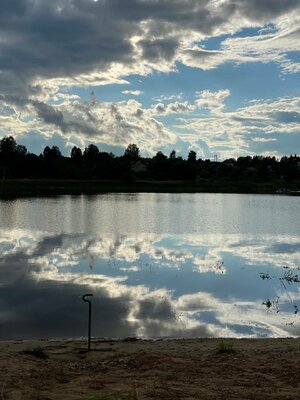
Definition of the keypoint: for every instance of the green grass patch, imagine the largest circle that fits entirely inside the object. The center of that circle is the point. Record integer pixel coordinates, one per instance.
(226, 347)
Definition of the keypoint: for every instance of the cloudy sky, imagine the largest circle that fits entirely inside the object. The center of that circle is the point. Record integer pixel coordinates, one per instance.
(216, 76)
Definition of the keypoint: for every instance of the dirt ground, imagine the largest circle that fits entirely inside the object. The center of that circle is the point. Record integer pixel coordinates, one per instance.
(209, 369)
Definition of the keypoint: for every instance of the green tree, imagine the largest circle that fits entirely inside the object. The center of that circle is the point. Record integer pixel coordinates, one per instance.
(8, 146)
(132, 152)
(160, 156)
(52, 153)
(12, 156)
(76, 154)
(91, 151)
(192, 156)
(172, 155)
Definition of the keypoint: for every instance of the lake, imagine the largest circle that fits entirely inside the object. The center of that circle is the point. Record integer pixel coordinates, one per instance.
(158, 265)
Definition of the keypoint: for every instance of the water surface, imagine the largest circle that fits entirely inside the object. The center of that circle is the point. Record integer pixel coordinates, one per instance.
(159, 265)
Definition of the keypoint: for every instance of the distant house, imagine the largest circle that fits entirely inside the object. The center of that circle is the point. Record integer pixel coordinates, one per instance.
(282, 191)
(139, 166)
(229, 163)
(251, 170)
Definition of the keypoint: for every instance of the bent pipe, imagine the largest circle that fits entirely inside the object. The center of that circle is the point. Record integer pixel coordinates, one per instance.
(84, 298)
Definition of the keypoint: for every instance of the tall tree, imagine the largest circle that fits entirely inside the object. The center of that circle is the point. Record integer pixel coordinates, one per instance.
(159, 156)
(91, 151)
(132, 152)
(52, 153)
(8, 146)
(172, 155)
(192, 156)
(76, 154)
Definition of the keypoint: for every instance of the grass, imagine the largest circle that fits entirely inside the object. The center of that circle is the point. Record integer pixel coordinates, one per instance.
(226, 347)
(105, 397)
(36, 352)
(130, 395)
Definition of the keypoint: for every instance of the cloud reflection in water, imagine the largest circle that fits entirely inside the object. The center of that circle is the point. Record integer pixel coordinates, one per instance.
(145, 285)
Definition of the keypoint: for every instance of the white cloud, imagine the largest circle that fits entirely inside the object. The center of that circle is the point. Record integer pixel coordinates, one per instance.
(119, 123)
(116, 124)
(172, 108)
(133, 92)
(172, 97)
(235, 129)
(214, 101)
(265, 47)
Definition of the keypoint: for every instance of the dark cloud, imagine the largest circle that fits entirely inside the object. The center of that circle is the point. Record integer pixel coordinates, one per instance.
(53, 116)
(152, 309)
(55, 309)
(34, 306)
(13, 8)
(139, 113)
(155, 50)
(49, 114)
(263, 10)
(58, 39)
(160, 108)
(87, 42)
(155, 329)
(66, 38)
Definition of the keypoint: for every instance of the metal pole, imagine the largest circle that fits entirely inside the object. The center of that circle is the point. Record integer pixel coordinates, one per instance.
(90, 315)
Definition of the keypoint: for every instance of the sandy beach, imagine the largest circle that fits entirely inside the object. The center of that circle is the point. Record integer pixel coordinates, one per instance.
(141, 369)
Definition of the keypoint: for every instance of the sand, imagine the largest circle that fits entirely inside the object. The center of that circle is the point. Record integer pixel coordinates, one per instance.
(163, 369)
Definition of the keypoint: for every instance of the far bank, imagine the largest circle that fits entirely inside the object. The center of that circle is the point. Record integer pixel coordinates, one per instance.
(49, 187)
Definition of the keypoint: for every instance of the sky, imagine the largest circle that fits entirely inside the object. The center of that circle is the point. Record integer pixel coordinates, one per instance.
(220, 77)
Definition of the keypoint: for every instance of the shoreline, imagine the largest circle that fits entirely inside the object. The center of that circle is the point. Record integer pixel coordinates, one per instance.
(15, 188)
(132, 369)
(135, 339)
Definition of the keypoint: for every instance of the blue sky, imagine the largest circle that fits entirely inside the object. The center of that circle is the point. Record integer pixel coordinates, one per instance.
(217, 76)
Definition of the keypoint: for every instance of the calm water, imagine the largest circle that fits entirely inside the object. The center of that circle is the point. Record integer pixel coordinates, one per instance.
(159, 265)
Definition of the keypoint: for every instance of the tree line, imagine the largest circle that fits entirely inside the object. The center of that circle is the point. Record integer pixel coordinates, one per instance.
(17, 163)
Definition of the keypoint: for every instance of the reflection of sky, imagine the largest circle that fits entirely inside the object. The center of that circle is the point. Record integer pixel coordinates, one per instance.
(147, 284)
(157, 264)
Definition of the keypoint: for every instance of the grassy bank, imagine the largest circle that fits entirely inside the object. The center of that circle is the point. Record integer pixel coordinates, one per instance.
(37, 187)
